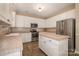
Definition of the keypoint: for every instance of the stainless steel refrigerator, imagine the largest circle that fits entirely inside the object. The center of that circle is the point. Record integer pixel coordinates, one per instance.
(67, 27)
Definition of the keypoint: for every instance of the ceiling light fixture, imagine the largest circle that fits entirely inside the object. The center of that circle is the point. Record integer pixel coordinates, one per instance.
(40, 8)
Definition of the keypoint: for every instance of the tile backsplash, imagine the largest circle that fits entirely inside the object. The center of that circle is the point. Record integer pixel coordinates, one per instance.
(19, 30)
(24, 29)
(4, 29)
(53, 30)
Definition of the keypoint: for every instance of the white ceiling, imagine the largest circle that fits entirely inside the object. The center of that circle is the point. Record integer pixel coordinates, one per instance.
(50, 9)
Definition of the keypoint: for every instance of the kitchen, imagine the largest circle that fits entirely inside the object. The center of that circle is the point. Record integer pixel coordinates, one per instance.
(32, 29)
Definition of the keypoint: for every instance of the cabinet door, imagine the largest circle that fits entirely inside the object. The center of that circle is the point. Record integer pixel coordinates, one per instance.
(5, 13)
(23, 37)
(45, 44)
(27, 22)
(26, 37)
(19, 21)
(42, 43)
(13, 20)
(41, 23)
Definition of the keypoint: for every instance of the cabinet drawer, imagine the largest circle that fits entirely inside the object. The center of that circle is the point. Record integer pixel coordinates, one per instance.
(51, 41)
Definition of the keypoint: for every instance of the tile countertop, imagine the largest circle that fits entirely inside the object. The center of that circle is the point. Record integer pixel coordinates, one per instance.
(54, 36)
(9, 43)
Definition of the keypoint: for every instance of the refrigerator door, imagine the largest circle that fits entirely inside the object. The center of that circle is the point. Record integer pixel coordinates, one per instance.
(59, 27)
(71, 33)
(65, 31)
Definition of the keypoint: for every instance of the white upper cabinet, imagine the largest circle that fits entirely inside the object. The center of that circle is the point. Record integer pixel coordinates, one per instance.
(12, 14)
(6, 10)
(28, 21)
(41, 23)
(19, 21)
(13, 19)
(24, 21)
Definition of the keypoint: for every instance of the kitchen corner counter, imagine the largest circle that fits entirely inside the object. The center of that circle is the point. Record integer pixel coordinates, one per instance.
(53, 36)
(10, 43)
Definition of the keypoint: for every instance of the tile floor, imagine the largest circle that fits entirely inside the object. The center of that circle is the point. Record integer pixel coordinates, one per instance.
(32, 49)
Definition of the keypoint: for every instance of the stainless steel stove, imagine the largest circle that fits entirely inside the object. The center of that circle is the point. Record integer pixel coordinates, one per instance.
(34, 32)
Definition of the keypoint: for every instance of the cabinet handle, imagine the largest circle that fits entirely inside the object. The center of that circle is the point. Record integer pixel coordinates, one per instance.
(8, 20)
(44, 41)
(49, 40)
(69, 38)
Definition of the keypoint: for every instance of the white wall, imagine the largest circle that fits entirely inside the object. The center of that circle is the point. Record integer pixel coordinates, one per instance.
(26, 21)
(51, 22)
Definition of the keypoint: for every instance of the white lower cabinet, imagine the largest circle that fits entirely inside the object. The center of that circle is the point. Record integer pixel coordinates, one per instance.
(26, 37)
(53, 47)
(43, 44)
